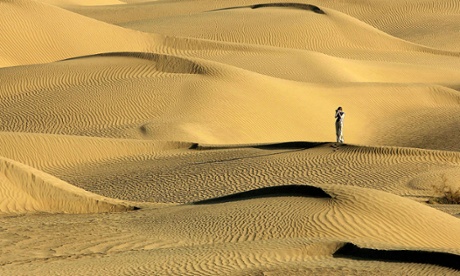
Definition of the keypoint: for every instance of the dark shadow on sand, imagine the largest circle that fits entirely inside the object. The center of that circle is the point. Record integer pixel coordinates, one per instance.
(275, 191)
(290, 145)
(273, 149)
(297, 6)
(294, 145)
(351, 251)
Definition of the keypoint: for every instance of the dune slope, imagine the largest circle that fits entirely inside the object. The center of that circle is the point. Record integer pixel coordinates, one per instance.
(167, 98)
(57, 34)
(25, 190)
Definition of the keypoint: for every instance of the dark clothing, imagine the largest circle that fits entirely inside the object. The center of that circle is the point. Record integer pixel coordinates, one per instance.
(339, 116)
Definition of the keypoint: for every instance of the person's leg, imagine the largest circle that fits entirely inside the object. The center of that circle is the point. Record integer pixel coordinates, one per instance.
(341, 133)
(338, 131)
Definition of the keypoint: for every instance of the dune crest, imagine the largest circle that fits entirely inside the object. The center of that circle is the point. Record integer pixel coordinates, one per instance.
(299, 6)
(26, 190)
(160, 62)
(275, 191)
(69, 3)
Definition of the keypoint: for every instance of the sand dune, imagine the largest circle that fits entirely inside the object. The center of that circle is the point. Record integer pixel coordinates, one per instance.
(425, 22)
(334, 214)
(416, 21)
(162, 98)
(53, 153)
(57, 34)
(228, 236)
(206, 173)
(300, 27)
(196, 137)
(25, 190)
(407, 90)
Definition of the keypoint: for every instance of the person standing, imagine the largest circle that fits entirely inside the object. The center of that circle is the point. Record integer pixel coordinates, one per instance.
(339, 115)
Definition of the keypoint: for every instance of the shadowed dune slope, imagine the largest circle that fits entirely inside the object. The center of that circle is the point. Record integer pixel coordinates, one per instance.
(299, 6)
(26, 190)
(276, 191)
(406, 256)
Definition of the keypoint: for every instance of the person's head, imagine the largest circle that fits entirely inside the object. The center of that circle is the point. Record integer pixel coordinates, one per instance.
(339, 108)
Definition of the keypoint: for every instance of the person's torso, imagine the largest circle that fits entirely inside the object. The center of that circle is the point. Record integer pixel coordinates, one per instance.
(339, 116)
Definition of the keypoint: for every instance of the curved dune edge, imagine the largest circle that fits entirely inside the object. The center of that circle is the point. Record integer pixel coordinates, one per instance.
(24, 189)
(299, 6)
(161, 62)
(83, 3)
(275, 191)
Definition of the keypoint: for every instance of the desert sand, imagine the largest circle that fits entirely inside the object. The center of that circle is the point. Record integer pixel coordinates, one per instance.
(197, 137)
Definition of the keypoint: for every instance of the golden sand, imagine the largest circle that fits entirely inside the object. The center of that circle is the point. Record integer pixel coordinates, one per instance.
(196, 137)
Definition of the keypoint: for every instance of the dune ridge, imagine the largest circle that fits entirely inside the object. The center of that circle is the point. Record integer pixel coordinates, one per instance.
(25, 190)
(275, 191)
(299, 6)
(290, 5)
(70, 3)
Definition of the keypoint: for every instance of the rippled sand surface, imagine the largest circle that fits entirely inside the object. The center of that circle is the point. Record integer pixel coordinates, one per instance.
(196, 137)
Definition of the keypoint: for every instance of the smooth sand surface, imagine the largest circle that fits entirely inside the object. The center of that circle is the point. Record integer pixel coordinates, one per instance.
(196, 137)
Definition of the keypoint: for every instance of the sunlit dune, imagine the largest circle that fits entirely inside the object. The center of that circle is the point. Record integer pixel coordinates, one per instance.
(44, 33)
(25, 190)
(198, 137)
